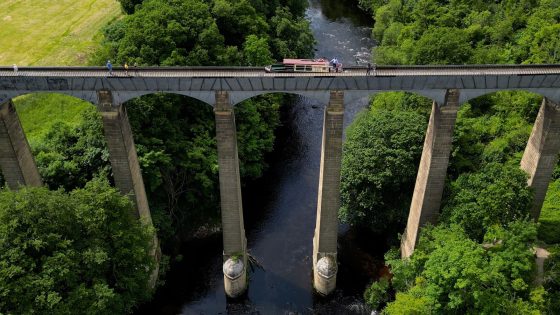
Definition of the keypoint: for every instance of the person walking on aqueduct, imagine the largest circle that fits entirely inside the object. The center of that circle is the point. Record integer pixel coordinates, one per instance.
(110, 67)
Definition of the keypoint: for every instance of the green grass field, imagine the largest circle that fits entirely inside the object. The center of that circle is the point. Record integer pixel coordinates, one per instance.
(38, 112)
(51, 33)
(47, 32)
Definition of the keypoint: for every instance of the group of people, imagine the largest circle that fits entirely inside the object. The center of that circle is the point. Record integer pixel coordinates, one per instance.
(337, 67)
(125, 66)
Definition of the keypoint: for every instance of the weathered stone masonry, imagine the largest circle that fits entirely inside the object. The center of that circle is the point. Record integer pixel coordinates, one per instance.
(122, 154)
(328, 203)
(230, 195)
(16, 160)
(124, 163)
(432, 171)
(541, 154)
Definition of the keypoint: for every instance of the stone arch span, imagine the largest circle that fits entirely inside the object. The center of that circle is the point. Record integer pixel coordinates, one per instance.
(237, 97)
(207, 97)
(470, 94)
(87, 96)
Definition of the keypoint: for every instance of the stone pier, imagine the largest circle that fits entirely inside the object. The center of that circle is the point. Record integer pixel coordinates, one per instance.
(124, 163)
(432, 171)
(235, 255)
(541, 154)
(16, 160)
(326, 230)
(122, 154)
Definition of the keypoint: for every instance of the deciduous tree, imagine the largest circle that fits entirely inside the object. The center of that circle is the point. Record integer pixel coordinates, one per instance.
(72, 253)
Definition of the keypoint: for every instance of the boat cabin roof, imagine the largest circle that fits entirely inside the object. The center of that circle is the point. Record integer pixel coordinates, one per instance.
(305, 62)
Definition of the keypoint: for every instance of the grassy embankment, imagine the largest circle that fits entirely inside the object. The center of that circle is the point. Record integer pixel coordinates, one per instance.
(53, 33)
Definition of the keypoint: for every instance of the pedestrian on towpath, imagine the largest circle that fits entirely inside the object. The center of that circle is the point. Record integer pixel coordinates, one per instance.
(369, 68)
(126, 68)
(334, 63)
(110, 67)
(15, 69)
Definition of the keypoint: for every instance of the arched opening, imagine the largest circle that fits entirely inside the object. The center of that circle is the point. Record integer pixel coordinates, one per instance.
(280, 206)
(174, 139)
(381, 156)
(64, 136)
(491, 139)
(493, 127)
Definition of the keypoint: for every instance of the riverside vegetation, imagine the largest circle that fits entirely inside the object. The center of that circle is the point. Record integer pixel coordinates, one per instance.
(91, 256)
(479, 258)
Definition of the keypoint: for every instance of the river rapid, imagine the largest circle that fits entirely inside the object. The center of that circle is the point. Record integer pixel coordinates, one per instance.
(280, 209)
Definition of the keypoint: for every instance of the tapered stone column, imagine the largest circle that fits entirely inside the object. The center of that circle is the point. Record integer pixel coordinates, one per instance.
(16, 160)
(432, 171)
(326, 230)
(124, 163)
(235, 255)
(541, 153)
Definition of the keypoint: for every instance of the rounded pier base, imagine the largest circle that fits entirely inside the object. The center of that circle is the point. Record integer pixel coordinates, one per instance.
(235, 277)
(324, 275)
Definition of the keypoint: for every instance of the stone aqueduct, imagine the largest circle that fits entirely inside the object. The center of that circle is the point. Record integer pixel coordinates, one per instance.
(447, 86)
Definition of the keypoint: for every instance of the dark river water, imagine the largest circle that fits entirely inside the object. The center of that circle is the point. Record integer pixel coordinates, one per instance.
(280, 210)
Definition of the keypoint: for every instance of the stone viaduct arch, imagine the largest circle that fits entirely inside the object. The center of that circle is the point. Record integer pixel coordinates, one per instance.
(223, 87)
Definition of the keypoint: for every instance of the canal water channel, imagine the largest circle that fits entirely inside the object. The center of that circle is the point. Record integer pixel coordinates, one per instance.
(280, 209)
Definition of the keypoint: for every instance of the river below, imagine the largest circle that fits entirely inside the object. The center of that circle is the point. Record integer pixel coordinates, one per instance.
(280, 210)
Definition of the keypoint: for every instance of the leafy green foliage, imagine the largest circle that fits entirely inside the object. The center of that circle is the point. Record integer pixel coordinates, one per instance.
(256, 120)
(291, 37)
(549, 220)
(442, 45)
(197, 32)
(256, 51)
(166, 33)
(81, 252)
(465, 31)
(129, 6)
(69, 157)
(381, 156)
(449, 273)
(496, 195)
(237, 19)
(175, 140)
(377, 294)
(177, 153)
(492, 128)
(552, 279)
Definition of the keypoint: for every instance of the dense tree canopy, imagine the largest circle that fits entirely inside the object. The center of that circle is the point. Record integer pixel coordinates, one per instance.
(197, 32)
(77, 253)
(381, 156)
(175, 139)
(129, 6)
(450, 273)
(69, 157)
(465, 31)
(495, 195)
